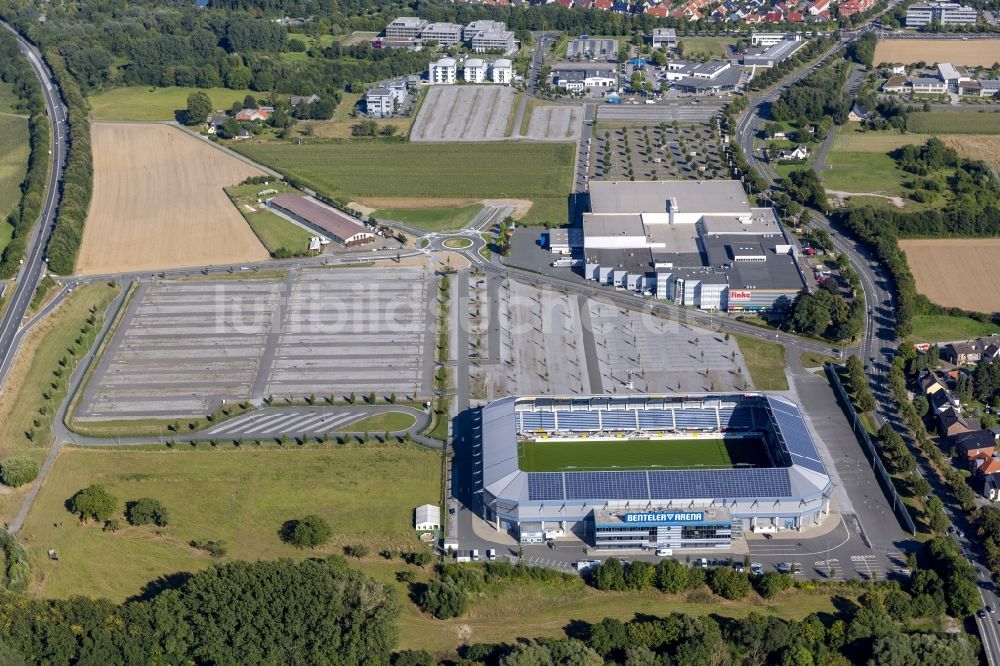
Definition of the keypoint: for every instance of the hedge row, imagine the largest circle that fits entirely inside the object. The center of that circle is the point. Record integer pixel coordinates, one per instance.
(78, 175)
(14, 69)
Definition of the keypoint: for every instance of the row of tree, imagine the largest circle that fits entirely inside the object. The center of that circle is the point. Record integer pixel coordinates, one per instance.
(815, 96)
(15, 70)
(308, 612)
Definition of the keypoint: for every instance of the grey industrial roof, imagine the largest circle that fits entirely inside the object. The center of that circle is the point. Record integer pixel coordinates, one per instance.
(582, 73)
(676, 238)
(502, 478)
(708, 197)
(613, 225)
(637, 261)
(580, 46)
(762, 221)
(730, 77)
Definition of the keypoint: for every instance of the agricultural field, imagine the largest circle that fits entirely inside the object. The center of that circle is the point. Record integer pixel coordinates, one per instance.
(976, 287)
(973, 52)
(707, 452)
(14, 151)
(707, 47)
(238, 497)
(159, 203)
(945, 328)
(954, 122)
(145, 103)
(373, 169)
(430, 219)
(983, 147)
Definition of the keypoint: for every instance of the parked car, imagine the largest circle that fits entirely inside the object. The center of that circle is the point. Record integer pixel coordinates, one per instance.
(756, 568)
(783, 567)
(475, 555)
(491, 554)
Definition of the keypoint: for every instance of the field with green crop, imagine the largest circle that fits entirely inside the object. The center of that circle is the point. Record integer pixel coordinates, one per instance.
(396, 169)
(623, 454)
(241, 497)
(954, 122)
(430, 219)
(14, 152)
(146, 103)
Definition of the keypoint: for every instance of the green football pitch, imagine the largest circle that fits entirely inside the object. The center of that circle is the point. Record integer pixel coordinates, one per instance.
(625, 454)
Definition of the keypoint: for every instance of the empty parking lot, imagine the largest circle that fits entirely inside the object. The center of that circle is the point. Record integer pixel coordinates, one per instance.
(555, 123)
(464, 113)
(184, 347)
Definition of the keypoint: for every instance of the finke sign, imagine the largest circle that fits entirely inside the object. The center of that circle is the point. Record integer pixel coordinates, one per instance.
(740, 295)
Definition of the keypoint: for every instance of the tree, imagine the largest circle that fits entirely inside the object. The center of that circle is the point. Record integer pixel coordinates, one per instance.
(93, 503)
(18, 471)
(922, 649)
(443, 599)
(639, 575)
(771, 583)
(309, 532)
(199, 107)
(728, 583)
(239, 78)
(146, 511)
(609, 575)
(671, 576)
(921, 405)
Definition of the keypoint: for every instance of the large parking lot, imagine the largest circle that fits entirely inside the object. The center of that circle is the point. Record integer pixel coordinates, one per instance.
(464, 113)
(664, 151)
(683, 109)
(551, 342)
(555, 123)
(184, 347)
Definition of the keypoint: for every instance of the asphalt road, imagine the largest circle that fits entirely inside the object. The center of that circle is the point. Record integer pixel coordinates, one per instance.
(33, 265)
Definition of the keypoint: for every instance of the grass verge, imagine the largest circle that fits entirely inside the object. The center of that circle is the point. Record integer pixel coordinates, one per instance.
(766, 363)
(14, 152)
(943, 328)
(384, 422)
(239, 497)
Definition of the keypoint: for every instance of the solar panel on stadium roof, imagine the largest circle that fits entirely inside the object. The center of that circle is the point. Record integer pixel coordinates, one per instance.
(606, 485)
(545, 486)
(719, 483)
(797, 440)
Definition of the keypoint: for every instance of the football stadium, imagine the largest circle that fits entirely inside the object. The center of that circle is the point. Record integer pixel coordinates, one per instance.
(637, 472)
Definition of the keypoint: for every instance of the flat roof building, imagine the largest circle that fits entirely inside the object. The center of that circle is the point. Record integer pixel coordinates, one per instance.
(405, 27)
(592, 49)
(578, 79)
(444, 71)
(502, 71)
(332, 223)
(772, 54)
(664, 38)
(697, 243)
(945, 13)
(445, 34)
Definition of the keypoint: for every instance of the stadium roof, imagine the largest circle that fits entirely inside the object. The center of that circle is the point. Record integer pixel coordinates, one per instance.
(805, 477)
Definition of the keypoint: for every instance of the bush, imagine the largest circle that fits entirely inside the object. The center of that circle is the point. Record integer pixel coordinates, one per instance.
(420, 558)
(214, 548)
(356, 551)
(413, 658)
(728, 583)
(309, 532)
(18, 471)
(443, 599)
(93, 503)
(771, 583)
(146, 511)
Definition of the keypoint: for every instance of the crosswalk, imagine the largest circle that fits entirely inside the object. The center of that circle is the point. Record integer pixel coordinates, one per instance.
(287, 422)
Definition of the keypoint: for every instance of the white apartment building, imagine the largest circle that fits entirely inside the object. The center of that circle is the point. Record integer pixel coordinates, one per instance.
(767, 38)
(502, 71)
(475, 70)
(443, 71)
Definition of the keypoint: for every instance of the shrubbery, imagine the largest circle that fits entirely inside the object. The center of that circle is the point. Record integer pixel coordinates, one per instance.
(308, 532)
(18, 471)
(146, 511)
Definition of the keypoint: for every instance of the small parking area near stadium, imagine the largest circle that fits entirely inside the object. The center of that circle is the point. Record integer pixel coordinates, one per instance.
(183, 347)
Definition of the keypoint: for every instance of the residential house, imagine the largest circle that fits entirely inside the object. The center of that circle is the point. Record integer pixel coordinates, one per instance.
(818, 7)
(951, 423)
(852, 7)
(384, 101)
(800, 152)
(858, 113)
(991, 486)
(247, 115)
(215, 122)
(975, 444)
(963, 353)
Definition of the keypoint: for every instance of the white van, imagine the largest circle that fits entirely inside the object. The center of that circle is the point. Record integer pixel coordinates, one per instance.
(664, 552)
(491, 554)
(475, 555)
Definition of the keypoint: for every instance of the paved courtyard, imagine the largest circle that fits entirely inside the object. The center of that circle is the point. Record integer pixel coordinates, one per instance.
(185, 347)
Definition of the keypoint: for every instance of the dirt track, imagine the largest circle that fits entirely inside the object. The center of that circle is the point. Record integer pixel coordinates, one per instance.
(158, 203)
(957, 271)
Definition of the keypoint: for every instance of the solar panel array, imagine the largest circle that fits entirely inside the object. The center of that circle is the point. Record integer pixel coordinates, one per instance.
(792, 430)
(660, 485)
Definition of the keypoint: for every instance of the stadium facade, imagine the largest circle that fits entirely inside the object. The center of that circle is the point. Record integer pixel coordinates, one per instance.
(656, 507)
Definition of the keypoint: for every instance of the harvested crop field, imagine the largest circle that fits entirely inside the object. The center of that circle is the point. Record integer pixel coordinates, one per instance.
(159, 203)
(983, 147)
(981, 52)
(934, 263)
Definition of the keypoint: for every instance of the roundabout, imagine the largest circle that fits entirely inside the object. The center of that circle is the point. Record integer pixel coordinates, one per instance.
(457, 243)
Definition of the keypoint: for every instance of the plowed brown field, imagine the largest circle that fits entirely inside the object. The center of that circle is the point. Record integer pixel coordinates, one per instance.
(960, 272)
(158, 203)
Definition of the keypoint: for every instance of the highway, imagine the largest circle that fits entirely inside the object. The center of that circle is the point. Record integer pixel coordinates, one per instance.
(33, 265)
(877, 348)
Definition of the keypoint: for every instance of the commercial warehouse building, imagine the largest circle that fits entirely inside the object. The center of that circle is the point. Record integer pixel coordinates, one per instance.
(694, 507)
(696, 243)
(578, 79)
(332, 223)
(772, 54)
(592, 49)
